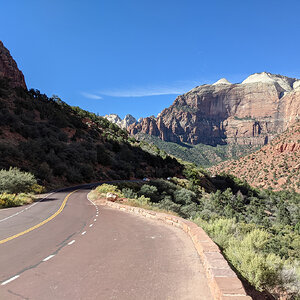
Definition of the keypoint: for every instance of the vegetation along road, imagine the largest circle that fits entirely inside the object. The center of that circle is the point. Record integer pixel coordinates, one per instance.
(64, 247)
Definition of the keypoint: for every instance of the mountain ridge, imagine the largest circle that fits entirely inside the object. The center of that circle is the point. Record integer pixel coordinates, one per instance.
(252, 112)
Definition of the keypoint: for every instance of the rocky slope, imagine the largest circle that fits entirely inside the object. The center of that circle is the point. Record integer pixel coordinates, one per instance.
(250, 113)
(9, 69)
(276, 165)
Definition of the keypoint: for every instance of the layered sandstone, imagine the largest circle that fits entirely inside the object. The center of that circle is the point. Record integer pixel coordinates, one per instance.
(249, 113)
(9, 69)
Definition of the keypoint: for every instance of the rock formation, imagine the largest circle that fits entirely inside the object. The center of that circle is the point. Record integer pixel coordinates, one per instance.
(222, 81)
(9, 69)
(249, 113)
(125, 123)
(276, 165)
(114, 118)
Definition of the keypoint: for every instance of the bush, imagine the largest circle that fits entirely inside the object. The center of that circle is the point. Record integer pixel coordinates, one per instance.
(103, 189)
(9, 200)
(15, 181)
(149, 191)
(141, 202)
(129, 193)
(169, 205)
(184, 196)
(250, 251)
(262, 269)
(37, 189)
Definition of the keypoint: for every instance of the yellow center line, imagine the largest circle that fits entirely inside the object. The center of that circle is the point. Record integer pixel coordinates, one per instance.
(40, 224)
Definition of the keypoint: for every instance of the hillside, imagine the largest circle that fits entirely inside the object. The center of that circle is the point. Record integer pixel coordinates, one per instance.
(200, 154)
(276, 165)
(64, 145)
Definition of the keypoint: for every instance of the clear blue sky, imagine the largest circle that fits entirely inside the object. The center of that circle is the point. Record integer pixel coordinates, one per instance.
(136, 56)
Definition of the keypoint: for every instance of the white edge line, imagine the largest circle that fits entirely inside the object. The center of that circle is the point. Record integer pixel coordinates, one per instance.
(10, 279)
(49, 257)
(72, 242)
(36, 202)
(21, 211)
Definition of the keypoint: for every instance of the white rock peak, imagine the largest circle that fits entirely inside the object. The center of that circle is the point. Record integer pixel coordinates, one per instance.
(114, 118)
(296, 85)
(286, 83)
(222, 81)
(128, 120)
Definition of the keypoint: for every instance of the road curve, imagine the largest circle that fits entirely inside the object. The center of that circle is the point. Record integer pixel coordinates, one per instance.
(87, 252)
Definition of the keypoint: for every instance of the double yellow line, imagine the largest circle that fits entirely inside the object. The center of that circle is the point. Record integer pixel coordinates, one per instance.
(40, 224)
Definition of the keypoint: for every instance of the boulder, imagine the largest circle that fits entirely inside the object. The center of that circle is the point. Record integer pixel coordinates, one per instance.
(111, 197)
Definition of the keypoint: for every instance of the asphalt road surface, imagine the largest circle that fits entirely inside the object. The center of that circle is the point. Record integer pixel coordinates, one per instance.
(64, 247)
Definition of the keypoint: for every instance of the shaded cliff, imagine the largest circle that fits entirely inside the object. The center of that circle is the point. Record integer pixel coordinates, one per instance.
(9, 69)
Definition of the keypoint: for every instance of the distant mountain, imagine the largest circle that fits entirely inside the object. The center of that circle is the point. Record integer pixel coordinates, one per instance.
(276, 165)
(64, 145)
(250, 113)
(125, 123)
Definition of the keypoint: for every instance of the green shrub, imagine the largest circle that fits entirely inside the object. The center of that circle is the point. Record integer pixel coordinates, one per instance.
(261, 269)
(143, 200)
(184, 196)
(37, 189)
(149, 191)
(15, 181)
(254, 254)
(129, 193)
(103, 189)
(10, 200)
(169, 205)
(220, 230)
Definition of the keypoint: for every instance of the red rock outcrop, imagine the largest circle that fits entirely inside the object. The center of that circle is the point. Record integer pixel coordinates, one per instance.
(250, 113)
(276, 165)
(9, 69)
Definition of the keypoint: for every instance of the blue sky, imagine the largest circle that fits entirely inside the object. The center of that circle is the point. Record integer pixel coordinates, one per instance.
(136, 56)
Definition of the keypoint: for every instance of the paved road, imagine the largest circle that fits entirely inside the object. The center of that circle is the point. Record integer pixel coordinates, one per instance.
(87, 252)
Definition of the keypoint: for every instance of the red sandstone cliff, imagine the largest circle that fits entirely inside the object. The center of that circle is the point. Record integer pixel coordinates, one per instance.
(9, 69)
(252, 112)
